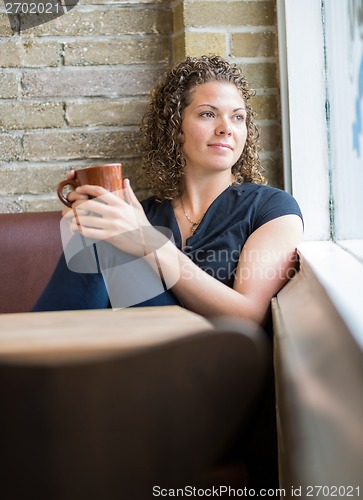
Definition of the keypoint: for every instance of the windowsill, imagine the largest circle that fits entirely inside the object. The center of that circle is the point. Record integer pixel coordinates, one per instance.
(341, 276)
(354, 247)
(318, 341)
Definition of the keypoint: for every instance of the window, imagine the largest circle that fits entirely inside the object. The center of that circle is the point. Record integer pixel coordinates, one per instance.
(321, 61)
(344, 69)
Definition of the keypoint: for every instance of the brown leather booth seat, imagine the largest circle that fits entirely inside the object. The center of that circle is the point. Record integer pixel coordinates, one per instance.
(30, 246)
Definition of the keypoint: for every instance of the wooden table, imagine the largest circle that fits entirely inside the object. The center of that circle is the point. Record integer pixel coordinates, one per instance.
(84, 416)
(67, 334)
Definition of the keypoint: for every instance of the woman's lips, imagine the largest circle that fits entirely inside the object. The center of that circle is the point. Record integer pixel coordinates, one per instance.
(220, 145)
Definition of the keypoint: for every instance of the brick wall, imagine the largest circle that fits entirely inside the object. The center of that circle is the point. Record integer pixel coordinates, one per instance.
(73, 90)
(245, 32)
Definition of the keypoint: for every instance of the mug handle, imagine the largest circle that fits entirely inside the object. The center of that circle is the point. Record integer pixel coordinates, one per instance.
(61, 186)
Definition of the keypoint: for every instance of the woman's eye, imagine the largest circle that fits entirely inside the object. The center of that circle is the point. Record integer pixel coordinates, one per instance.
(207, 114)
(240, 118)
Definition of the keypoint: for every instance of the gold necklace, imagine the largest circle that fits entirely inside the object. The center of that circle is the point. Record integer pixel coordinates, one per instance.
(195, 224)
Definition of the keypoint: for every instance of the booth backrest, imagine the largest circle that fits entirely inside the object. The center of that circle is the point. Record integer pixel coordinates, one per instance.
(30, 246)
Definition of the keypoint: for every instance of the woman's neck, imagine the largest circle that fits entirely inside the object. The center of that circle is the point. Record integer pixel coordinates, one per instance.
(198, 194)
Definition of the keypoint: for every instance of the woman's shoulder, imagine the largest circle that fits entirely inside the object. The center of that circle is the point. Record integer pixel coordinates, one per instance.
(264, 192)
(269, 202)
(263, 189)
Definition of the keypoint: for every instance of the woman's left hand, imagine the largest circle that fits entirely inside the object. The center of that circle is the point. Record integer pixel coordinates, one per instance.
(117, 217)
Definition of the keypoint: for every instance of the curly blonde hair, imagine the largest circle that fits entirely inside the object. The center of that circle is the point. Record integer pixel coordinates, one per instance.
(162, 124)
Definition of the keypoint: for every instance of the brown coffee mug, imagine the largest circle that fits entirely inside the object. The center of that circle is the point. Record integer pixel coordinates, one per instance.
(108, 176)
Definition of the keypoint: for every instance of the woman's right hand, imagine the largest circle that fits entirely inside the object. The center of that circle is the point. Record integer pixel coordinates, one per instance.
(73, 196)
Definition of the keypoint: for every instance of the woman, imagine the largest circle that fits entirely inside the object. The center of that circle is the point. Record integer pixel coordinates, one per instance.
(234, 237)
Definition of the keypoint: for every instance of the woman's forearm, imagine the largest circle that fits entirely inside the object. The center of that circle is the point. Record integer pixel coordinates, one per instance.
(200, 292)
(266, 263)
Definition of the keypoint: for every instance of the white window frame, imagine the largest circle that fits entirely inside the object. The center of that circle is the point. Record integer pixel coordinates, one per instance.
(307, 168)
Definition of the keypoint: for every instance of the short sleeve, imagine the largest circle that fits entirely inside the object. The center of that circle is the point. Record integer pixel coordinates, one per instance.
(275, 203)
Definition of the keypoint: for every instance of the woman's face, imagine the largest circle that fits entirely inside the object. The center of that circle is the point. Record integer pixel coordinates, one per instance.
(214, 127)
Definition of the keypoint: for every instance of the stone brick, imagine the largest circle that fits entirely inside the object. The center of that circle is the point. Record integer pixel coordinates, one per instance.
(24, 115)
(5, 27)
(78, 145)
(117, 51)
(48, 202)
(78, 82)
(114, 112)
(221, 13)
(29, 53)
(178, 17)
(265, 107)
(124, 2)
(41, 203)
(10, 205)
(29, 179)
(198, 44)
(261, 75)
(270, 137)
(132, 169)
(111, 21)
(9, 147)
(179, 48)
(70, 116)
(8, 85)
(254, 44)
(272, 170)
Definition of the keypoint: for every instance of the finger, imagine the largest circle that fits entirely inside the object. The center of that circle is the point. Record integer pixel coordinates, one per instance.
(114, 198)
(80, 212)
(129, 193)
(95, 205)
(70, 174)
(74, 226)
(90, 221)
(77, 222)
(94, 227)
(69, 214)
(90, 190)
(74, 196)
(84, 203)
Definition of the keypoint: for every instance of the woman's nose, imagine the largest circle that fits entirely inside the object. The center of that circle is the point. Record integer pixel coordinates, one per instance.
(223, 128)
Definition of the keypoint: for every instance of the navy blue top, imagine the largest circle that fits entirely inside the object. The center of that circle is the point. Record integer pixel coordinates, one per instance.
(215, 247)
(236, 213)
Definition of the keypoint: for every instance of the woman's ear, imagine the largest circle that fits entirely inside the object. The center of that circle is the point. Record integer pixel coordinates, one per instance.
(181, 138)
